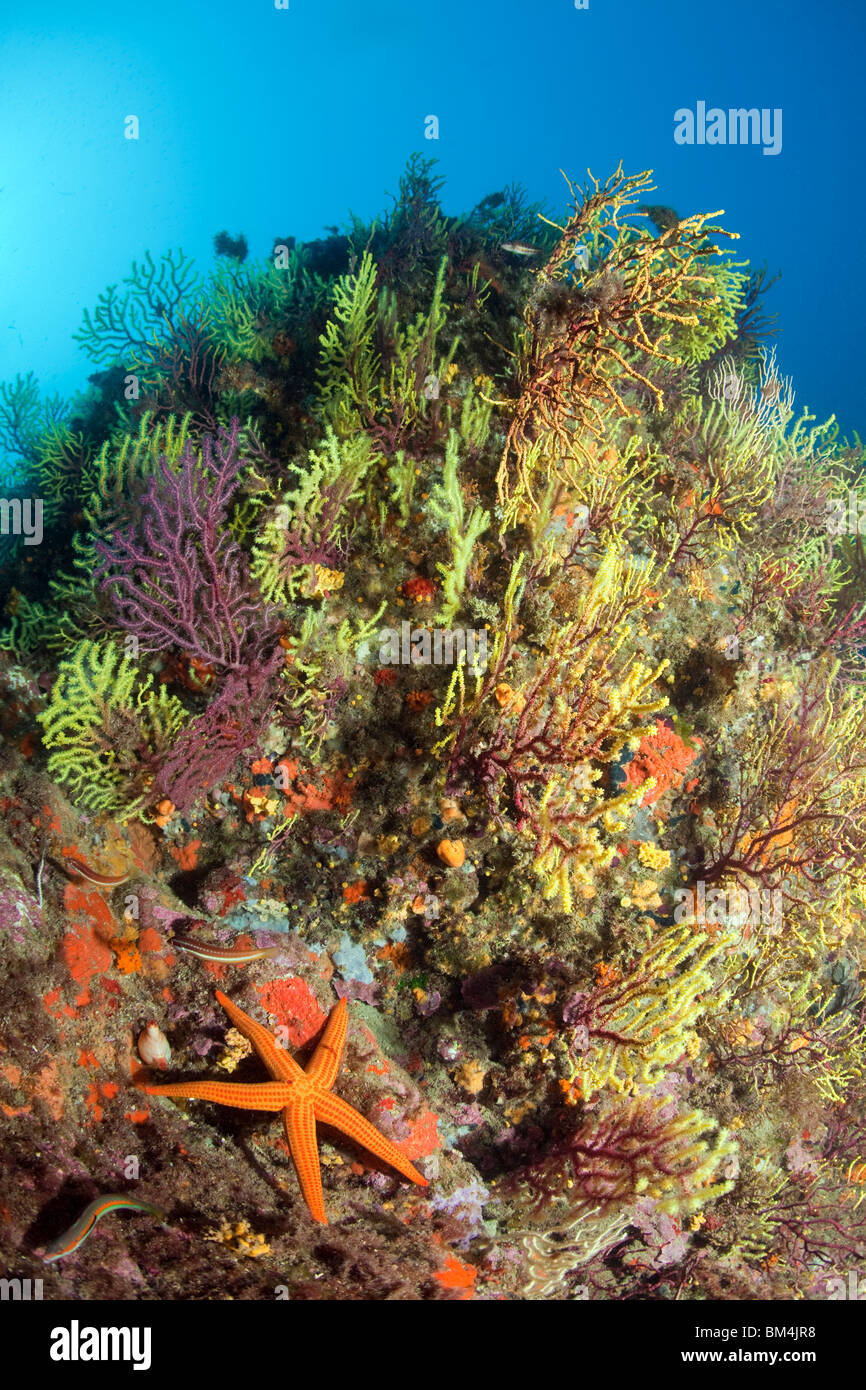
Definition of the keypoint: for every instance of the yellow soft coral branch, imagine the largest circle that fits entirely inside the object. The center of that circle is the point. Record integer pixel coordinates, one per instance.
(643, 1024)
(101, 706)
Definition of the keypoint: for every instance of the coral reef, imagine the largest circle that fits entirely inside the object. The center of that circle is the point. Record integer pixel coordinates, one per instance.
(454, 617)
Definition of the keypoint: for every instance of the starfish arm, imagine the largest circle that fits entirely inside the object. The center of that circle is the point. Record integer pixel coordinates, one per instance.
(267, 1095)
(325, 1062)
(277, 1060)
(334, 1111)
(300, 1123)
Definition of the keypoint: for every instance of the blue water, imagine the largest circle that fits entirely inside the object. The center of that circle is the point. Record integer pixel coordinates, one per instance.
(277, 122)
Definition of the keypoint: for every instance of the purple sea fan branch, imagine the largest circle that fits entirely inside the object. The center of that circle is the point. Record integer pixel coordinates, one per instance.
(796, 821)
(180, 580)
(184, 365)
(637, 1148)
(208, 747)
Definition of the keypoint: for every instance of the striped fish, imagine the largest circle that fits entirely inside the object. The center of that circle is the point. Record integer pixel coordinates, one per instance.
(80, 1229)
(75, 865)
(226, 955)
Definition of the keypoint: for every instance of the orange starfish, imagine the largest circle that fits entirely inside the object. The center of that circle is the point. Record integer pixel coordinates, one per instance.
(304, 1096)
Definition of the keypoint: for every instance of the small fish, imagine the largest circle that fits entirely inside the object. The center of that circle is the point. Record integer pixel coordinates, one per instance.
(228, 955)
(80, 1229)
(520, 248)
(83, 870)
(493, 200)
(663, 218)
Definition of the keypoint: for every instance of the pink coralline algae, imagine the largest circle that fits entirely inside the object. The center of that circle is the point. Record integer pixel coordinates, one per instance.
(19, 913)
